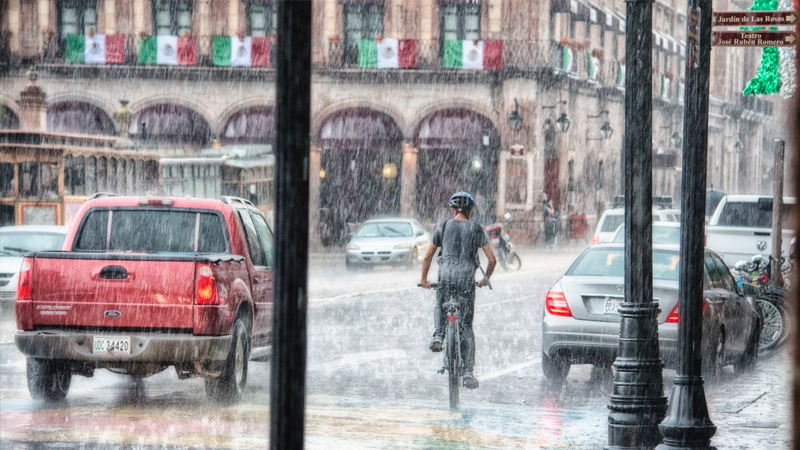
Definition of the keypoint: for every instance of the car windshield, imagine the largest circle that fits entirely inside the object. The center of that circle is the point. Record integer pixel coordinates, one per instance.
(611, 222)
(661, 235)
(605, 262)
(384, 229)
(17, 243)
(152, 232)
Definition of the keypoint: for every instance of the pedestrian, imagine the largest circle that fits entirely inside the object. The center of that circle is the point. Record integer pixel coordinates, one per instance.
(550, 223)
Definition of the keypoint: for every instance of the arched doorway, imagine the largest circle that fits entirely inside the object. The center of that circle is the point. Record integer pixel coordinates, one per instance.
(79, 118)
(458, 150)
(360, 177)
(254, 125)
(8, 119)
(170, 124)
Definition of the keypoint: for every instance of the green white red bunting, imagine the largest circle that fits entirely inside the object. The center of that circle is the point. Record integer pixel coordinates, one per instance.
(95, 49)
(568, 60)
(594, 66)
(473, 55)
(247, 51)
(168, 50)
(620, 82)
(388, 53)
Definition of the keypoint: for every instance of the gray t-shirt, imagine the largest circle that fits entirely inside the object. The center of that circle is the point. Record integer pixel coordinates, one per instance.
(459, 242)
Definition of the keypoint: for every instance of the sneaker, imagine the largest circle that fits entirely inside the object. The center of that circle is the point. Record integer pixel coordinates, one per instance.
(436, 344)
(470, 382)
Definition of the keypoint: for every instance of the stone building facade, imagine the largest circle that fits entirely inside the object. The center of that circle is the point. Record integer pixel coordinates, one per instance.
(398, 141)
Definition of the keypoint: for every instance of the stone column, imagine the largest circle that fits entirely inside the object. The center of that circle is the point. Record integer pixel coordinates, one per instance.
(495, 19)
(32, 107)
(408, 181)
(111, 16)
(314, 166)
(138, 17)
(14, 23)
(233, 17)
(44, 21)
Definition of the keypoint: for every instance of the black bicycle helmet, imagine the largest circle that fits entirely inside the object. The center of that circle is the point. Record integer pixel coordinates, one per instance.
(461, 201)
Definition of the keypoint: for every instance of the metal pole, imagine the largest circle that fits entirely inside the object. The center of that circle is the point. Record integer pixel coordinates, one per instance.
(293, 112)
(777, 206)
(688, 425)
(638, 403)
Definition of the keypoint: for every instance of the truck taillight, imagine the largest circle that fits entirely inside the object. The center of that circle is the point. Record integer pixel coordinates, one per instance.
(206, 293)
(556, 304)
(25, 286)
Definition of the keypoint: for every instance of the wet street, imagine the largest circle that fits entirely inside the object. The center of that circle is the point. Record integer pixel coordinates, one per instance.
(372, 382)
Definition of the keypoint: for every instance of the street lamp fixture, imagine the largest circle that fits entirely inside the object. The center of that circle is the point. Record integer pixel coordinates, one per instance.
(515, 119)
(738, 146)
(606, 130)
(390, 170)
(563, 121)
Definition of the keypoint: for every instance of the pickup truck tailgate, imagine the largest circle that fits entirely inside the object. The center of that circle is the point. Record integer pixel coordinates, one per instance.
(113, 290)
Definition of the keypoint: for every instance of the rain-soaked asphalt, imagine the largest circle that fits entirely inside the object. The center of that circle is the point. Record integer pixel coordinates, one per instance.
(372, 383)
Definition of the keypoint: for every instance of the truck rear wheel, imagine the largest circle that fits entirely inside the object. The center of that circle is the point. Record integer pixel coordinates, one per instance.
(48, 380)
(230, 385)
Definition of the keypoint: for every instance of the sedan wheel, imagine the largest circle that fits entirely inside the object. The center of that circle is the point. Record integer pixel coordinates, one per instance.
(555, 368)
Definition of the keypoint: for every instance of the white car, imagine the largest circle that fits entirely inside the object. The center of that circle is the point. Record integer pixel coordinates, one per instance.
(15, 242)
(398, 242)
(613, 218)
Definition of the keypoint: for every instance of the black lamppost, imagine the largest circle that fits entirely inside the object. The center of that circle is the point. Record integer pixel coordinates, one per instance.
(563, 121)
(637, 403)
(688, 425)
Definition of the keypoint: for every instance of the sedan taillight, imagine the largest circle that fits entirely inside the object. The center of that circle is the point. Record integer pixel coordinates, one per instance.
(556, 304)
(25, 286)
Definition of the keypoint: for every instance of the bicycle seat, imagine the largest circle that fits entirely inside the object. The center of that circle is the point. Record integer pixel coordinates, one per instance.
(449, 305)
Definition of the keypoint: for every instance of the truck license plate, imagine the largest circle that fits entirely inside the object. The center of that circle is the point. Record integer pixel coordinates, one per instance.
(112, 345)
(610, 306)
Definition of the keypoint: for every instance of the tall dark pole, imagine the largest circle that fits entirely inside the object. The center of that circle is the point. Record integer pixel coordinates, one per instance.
(638, 403)
(688, 425)
(293, 112)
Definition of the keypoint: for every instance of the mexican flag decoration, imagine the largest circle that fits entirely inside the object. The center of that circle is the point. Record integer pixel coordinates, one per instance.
(473, 55)
(594, 66)
(568, 60)
(243, 51)
(620, 74)
(387, 53)
(767, 80)
(95, 48)
(665, 82)
(168, 50)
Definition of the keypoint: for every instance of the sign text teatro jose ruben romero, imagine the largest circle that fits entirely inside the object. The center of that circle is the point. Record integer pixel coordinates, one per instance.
(753, 38)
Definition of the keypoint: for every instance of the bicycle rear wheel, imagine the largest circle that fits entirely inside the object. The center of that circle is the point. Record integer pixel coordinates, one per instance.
(453, 369)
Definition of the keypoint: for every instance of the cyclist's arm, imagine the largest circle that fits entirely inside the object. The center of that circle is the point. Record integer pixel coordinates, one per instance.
(426, 266)
(487, 248)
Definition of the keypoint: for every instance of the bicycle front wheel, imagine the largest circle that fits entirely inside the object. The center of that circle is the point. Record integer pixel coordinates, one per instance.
(453, 371)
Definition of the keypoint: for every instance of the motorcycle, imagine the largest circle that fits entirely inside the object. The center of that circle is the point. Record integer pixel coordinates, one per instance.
(502, 246)
(772, 302)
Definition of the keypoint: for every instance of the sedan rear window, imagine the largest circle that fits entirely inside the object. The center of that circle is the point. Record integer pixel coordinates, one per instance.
(152, 231)
(385, 229)
(16, 243)
(603, 262)
(611, 222)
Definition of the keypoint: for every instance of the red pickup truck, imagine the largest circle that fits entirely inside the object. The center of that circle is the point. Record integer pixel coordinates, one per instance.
(144, 283)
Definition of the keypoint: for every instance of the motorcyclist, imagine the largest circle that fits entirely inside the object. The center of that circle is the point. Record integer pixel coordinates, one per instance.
(459, 240)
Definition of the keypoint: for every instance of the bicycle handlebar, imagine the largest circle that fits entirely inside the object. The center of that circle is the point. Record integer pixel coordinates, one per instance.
(435, 286)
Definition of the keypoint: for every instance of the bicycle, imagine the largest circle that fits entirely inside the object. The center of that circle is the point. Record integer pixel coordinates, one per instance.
(452, 351)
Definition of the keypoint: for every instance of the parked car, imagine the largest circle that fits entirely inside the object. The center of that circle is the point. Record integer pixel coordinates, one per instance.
(14, 243)
(397, 241)
(144, 283)
(741, 227)
(664, 233)
(613, 218)
(581, 324)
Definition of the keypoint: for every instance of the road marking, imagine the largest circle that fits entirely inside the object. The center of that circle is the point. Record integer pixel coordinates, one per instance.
(512, 369)
(356, 359)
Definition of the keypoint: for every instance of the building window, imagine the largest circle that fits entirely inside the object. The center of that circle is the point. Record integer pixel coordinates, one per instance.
(38, 180)
(172, 18)
(75, 17)
(262, 18)
(361, 21)
(459, 22)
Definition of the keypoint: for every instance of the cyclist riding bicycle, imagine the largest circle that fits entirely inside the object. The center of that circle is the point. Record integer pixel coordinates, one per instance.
(459, 240)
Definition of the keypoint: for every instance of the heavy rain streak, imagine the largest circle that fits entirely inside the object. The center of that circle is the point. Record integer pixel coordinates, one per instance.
(396, 224)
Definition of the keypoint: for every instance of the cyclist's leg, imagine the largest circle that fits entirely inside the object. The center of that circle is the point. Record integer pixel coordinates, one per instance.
(466, 308)
(438, 316)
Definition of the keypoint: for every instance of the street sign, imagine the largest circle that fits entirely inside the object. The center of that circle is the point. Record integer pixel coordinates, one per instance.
(754, 38)
(753, 18)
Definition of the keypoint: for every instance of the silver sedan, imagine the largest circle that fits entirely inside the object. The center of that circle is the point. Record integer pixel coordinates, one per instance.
(581, 324)
(399, 242)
